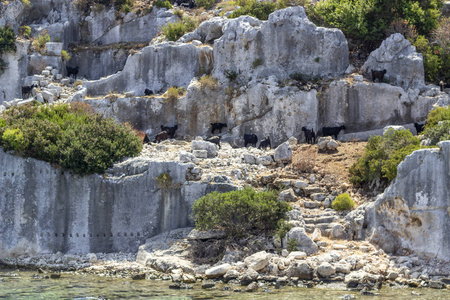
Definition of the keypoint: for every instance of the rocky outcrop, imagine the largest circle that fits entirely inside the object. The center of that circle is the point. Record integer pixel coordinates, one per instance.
(413, 212)
(207, 31)
(44, 209)
(403, 64)
(156, 67)
(287, 43)
(364, 106)
(11, 77)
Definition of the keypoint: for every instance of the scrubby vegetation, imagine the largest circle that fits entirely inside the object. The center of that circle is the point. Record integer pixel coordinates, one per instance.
(207, 81)
(343, 202)
(73, 137)
(260, 10)
(25, 31)
(65, 55)
(162, 4)
(7, 43)
(173, 31)
(240, 212)
(368, 22)
(206, 4)
(173, 93)
(382, 156)
(438, 125)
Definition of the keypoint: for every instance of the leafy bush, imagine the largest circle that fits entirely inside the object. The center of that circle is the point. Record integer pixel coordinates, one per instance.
(13, 139)
(438, 132)
(368, 20)
(173, 93)
(206, 4)
(72, 137)
(7, 40)
(436, 115)
(164, 181)
(240, 212)
(260, 10)
(292, 245)
(25, 31)
(343, 202)
(40, 42)
(382, 156)
(208, 81)
(231, 75)
(173, 31)
(162, 4)
(65, 55)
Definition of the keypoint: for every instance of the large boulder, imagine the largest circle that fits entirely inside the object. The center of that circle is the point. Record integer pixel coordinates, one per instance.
(403, 64)
(257, 261)
(304, 242)
(156, 67)
(283, 153)
(210, 148)
(300, 269)
(412, 213)
(207, 32)
(285, 44)
(217, 271)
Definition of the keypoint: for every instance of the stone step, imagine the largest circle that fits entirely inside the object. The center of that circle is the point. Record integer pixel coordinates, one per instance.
(320, 219)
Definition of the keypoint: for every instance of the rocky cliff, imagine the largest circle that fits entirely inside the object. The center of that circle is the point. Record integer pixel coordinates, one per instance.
(413, 214)
(45, 209)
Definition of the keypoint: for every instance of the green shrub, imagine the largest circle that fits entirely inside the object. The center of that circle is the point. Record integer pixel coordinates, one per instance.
(382, 156)
(72, 137)
(206, 4)
(25, 31)
(292, 245)
(231, 75)
(162, 4)
(173, 31)
(7, 40)
(164, 181)
(260, 10)
(13, 139)
(240, 212)
(343, 202)
(436, 115)
(283, 228)
(208, 81)
(438, 133)
(173, 93)
(65, 55)
(368, 20)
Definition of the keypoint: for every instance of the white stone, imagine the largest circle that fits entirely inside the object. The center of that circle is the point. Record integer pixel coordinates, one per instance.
(48, 96)
(316, 235)
(204, 145)
(258, 260)
(217, 270)
(46, 73)
(297, 255)
(264, 160)
(283, 153)
(326, 270)
(304, 242)
(249, 159)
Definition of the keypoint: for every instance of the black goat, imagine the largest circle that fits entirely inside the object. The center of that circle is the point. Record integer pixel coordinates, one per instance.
(419, 127)
(217, 126)
(72, 71)
(146, 140)
(148, 92)
(250, 139)
(163, 135)
(265, 143)
(26, 90)
(214, 140)
(170, 130)
(310, 135)
(329, 131)
(377, 74)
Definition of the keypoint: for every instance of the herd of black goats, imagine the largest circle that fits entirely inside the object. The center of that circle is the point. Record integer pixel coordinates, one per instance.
(249, 139)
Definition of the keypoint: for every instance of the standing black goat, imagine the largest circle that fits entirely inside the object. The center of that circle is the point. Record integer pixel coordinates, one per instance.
(250, 139)
(170, 130)
(26, 90)
(310, 135)
(265, 143)
(419, 127)
(377, 74)
(328, 131)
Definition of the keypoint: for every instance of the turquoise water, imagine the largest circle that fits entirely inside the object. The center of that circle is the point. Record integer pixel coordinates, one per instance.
(25, 286)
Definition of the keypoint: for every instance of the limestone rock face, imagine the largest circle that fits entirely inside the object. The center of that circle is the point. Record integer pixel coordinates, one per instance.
(207, 31)
(413, 212)
(287, 43)
(157, 68)
(403, 64)
(126, 203)
(10, 79)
